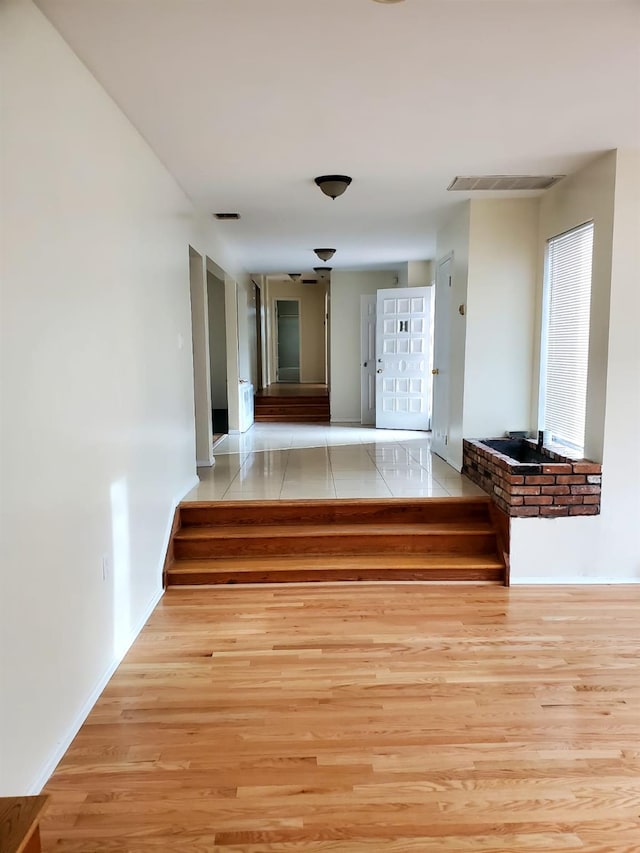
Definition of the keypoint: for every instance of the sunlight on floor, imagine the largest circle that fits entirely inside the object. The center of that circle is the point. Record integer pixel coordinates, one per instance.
(290, 461)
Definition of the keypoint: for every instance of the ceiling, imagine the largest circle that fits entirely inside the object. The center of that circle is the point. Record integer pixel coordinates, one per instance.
(246, 101)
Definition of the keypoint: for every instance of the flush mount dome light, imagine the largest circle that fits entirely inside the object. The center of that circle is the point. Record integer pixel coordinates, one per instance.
(322, 272)
(294, 276)
(325, 254)
(333, 185)
(388, 1)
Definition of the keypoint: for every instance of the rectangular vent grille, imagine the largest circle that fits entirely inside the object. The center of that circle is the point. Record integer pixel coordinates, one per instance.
(309, 280)
(472, 183)
(227, 215)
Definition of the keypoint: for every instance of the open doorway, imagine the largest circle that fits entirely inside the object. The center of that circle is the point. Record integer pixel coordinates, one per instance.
(218, 356)
(287, 340)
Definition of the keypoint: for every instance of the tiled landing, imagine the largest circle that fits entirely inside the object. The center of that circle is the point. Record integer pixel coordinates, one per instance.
(287, 462)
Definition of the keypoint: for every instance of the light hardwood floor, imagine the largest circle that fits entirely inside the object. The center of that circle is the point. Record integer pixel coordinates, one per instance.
(364, 718)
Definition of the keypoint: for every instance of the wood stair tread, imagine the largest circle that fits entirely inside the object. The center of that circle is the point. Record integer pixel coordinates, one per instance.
(328, 561)
(301, 531)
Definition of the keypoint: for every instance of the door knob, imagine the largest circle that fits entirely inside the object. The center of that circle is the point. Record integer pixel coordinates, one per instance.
(379, 370)
(435, 371)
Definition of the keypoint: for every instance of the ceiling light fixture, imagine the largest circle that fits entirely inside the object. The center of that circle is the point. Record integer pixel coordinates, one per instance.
(388, 1)
(322, 272)
(333, 185)
(325, 254)
(294, 276)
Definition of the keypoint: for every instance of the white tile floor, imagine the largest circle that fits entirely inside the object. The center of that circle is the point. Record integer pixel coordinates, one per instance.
(289, 461)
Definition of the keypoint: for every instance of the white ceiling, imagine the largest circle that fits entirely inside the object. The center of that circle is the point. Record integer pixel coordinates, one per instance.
(246, 101)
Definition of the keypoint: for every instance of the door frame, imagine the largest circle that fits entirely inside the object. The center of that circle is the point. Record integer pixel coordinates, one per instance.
(367, 370)
(442, 334)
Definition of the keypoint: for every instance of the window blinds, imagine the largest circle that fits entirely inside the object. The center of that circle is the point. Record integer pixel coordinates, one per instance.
(566, 335)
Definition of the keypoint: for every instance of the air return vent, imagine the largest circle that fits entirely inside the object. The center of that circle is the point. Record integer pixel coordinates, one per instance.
(309, 280)
(472, 183)
(227, 215)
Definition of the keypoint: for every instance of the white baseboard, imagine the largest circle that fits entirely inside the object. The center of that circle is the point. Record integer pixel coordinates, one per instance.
(571, 580)
(93, 697)
(201, 463)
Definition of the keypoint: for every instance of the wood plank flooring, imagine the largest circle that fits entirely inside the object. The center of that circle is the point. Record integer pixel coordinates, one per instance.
(364, 718)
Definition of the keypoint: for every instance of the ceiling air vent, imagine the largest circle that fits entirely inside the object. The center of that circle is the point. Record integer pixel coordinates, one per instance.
(309, 280)
(227, 215)
(472, 183)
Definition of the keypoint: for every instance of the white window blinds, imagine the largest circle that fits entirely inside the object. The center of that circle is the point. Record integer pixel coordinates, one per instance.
(565, 339)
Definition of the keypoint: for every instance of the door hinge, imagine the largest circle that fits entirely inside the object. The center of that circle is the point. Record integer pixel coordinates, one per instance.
(446, 440)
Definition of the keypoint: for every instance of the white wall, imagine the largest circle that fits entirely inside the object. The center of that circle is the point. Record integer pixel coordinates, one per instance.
(346, 289)
(97, 387)
(500, 316)
(312, 342)
(453, 238)
(605, 547)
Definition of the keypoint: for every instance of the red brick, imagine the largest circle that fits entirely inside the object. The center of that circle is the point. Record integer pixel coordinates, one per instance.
(537, 480)
(584, 510)
(572, 479)
(558, 468)
(525, 490)
(562, 500)
(555, 490)
(586, 468)
(525, 511)
(517, 500)
(585, 490)
(514, 479)
(554, 511)
(591, 499)
(539, 500)
(594, 479)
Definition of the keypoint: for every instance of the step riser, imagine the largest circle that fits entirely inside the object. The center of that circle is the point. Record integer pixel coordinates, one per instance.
(289, 419)
(491, 575)
(366, 544)
(326, 512)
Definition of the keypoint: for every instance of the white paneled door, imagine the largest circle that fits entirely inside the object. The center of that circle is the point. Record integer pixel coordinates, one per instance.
(368, 359)
(403, 358)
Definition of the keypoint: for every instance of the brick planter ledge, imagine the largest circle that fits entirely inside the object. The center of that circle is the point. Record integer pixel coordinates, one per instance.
(555, 488)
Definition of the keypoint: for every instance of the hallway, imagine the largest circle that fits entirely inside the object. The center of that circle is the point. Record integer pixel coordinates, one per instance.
(287, 461)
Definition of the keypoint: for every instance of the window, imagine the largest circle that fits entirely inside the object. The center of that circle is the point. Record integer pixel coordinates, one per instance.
(565, 336)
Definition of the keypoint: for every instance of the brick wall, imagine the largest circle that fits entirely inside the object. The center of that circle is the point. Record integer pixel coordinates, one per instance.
(553, 489)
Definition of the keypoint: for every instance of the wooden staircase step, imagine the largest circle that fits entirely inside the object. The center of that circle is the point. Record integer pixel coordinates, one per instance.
(334, 539)
(443, 539)
(341, 510)
(397, 567)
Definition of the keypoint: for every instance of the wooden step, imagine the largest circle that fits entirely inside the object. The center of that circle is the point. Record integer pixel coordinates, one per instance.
(341, 510)
(291, 419)
(282, 539)
(302, 569)
(348, 540)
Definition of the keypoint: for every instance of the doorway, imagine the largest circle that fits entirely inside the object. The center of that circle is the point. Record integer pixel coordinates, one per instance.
(218, 356)
(287, 340)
